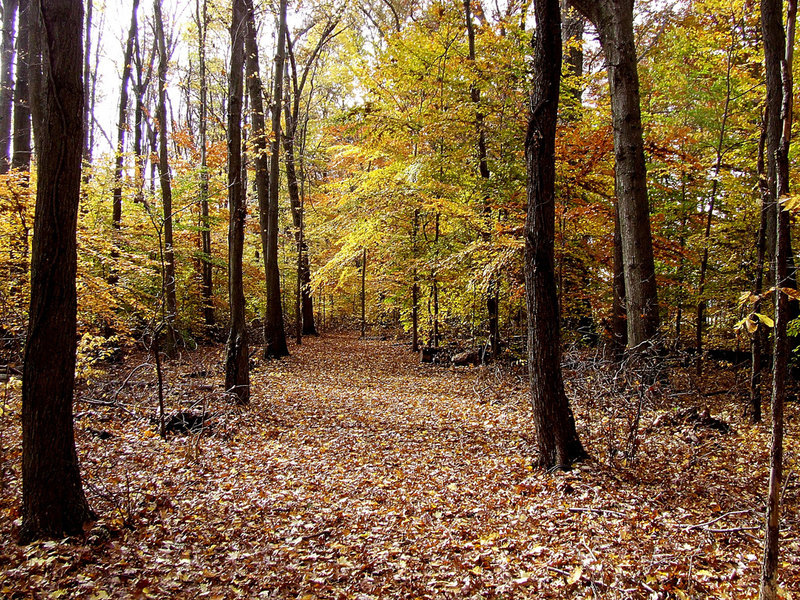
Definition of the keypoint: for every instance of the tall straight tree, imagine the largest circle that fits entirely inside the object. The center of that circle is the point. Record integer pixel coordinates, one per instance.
(237, 375)
(557, 438)
(122, 119)
(53, 502)
(273, 328)
(259, 137)
(613, 20)
(493, 290)
(207, 288)
(7, 81)
(21, 150)
(170, 302)
(778, 58)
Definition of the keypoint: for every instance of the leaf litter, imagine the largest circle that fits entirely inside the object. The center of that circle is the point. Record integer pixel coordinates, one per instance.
(359, 473)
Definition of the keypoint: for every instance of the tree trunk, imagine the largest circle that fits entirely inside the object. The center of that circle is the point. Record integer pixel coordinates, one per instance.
(21, 157)
(274, 330)
(7, 82)
(759, 340)
(701, 302)
(613, 20)
(619, 322)
(363, 292)
(778, 51)
(53, 502)
(122, 119)
(237, 375)
(166, 185)
(207, 286)
(414, 284)
(87, 115)
(556, 435)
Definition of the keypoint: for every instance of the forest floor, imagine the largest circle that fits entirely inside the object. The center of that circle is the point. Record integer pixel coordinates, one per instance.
(359, 473)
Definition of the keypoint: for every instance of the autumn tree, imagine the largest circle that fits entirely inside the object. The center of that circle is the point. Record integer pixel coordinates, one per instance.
(7, 81)
(21, 146)
(237, 374)
(53, 502)
(558, 442)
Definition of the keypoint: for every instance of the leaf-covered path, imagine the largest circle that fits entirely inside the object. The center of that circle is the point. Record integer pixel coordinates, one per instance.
(358, 473)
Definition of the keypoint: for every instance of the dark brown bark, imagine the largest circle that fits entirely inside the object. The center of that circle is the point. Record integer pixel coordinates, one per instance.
(207, 275)
(619, 321)
(274, 329)
(363, 292)
(414, 284)
(7, 82)
(237, 375)
(122, 119)
(170, 301)
(87, 82)
(53, 502)
(778, 47)
(21, 151)
(613, 20)
(556, 435)
(259, 138)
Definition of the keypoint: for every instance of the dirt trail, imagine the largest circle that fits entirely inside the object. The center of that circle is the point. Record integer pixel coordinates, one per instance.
(358, 473)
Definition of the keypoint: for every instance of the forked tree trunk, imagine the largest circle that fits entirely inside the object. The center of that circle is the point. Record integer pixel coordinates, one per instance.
(122, 120)
(237, 374)
(171, 304)
(557, 438)
(53, 502)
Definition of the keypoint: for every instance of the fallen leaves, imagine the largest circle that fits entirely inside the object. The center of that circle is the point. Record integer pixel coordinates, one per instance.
(358, 473)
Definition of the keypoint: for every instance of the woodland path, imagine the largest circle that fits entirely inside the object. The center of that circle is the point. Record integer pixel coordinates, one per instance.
(359, 473)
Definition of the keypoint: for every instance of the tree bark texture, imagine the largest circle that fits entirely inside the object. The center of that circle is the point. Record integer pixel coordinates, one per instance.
(778, 48)
(207, 286)
(237, 374)
(556, 435)
(613, 20)
(274, 330)
(7, 82)
(53, 502)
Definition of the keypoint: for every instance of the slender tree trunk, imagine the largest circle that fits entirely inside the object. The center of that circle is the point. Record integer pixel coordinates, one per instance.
(572, 27)
(363, 292)
(778, 47)
(613, 20)
(414, 284)
(87, 82)
(237, 375)
(21, 157)
(122, 119)
(712, 199)
(166, 184)
(207, 286)
(619, 324)
(556, 435)
(274, 330)
(759, 340)
(7, 82)
(53, 502)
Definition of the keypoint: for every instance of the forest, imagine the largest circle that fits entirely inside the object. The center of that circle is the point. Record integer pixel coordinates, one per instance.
(398, 299)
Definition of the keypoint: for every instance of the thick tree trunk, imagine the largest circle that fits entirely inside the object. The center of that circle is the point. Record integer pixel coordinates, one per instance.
(237, 374)
(207, 285)
(171, 304)
(53, 502)
(7, 82)
(556, 435)
(122, 119)
(21, 157)
(778, 48)
(613, 20)
(274, 330)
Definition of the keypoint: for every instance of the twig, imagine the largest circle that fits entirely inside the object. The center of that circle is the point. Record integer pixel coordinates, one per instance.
(583, 577)
(104, 403)
(601, 511)
(733, 529)
(127, 379)
(719, 518)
